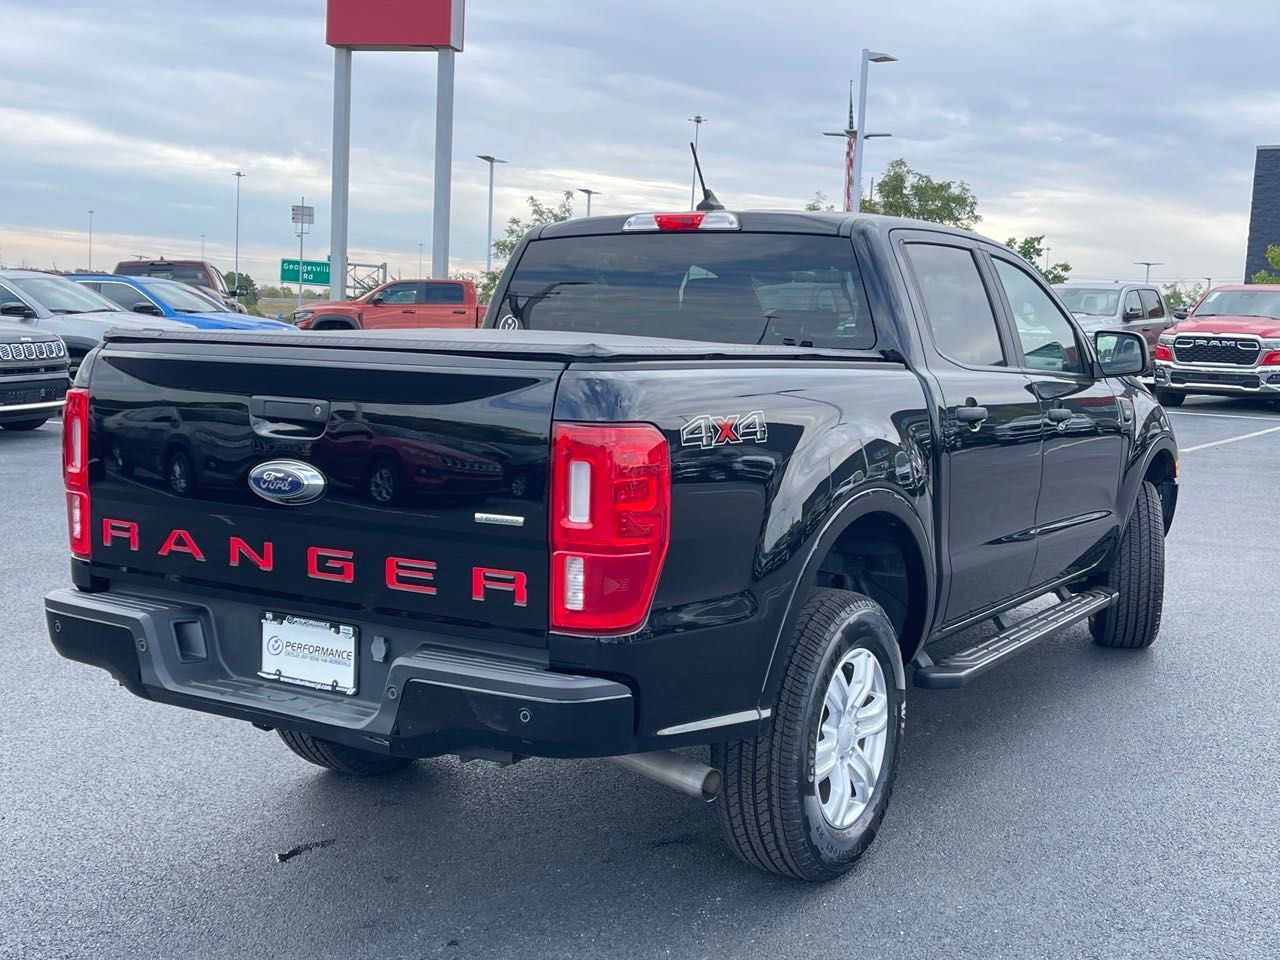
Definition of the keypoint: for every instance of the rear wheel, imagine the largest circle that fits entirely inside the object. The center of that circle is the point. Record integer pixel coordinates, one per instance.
(1137, 575)
(1170, 398)
(25, 424)
(806, 800)
(340, 758)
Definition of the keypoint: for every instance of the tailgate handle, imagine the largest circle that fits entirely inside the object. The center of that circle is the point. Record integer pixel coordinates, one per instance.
(288, 417)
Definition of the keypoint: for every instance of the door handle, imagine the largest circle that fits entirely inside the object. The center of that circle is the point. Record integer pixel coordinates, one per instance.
(408, 311)
(460, 311)
(972, 415)
(1058, 415)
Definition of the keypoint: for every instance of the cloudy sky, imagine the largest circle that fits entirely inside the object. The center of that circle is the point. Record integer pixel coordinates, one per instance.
(1122, 130)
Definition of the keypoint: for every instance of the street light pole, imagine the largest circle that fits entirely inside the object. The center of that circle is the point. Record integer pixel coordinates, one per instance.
(590, 193)
(1148, 264)
(420, 245)
(868, 57)
(488, 250)
(239, 176)
(202, 246)
(90, 241)
(697, 120)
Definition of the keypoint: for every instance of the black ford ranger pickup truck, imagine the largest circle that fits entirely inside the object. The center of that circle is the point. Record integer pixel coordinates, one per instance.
(705, 479)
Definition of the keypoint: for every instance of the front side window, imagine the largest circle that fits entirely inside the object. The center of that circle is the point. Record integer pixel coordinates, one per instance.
(399, 293)
(956, 304)
(1047, 337)
(783, 289)
(1132, 305)
(1152, 308)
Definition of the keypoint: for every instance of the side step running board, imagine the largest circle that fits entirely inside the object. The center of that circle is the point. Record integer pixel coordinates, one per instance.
(960, 668)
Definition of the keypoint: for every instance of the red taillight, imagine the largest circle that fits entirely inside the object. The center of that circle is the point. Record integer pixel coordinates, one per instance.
(1163, 352)
(75, 469)
(1270, 358)
(610, 524)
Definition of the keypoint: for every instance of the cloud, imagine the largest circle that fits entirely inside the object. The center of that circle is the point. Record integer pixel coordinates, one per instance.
(1122, 131)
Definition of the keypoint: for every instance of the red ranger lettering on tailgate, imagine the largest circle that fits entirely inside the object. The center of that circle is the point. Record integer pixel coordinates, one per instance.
(406, 574)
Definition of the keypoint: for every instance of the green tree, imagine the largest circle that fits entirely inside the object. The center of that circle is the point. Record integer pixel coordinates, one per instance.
(818, 203)
(1177, 297)
(1273, 259)
(1032, 250)
(237, 281)
(539, 214)
(904, 192)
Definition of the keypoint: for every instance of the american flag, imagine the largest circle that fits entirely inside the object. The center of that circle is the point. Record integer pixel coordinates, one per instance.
(850, 147)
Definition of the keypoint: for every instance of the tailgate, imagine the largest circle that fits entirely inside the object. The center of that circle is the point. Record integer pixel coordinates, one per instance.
(430, 500)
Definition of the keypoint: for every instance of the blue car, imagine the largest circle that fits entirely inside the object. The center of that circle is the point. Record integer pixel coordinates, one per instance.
(158, 297)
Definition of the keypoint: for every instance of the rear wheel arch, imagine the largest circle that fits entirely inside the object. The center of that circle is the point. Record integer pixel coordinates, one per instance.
(874, 532)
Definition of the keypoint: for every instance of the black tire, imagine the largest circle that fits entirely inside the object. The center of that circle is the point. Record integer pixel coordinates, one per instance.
(351, 761)
(1169, 398)
(1138, 576)
(769, 806)
(25, 424)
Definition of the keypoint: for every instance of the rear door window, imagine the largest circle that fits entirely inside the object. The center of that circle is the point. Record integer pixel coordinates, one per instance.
(444, 293)
(781, 289)
(956, 305)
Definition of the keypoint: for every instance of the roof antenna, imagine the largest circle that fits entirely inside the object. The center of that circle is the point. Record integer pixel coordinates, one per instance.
(709, 200)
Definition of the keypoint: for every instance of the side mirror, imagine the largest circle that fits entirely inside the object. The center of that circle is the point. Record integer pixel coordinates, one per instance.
(1180, 313)
(16, 308)
(1133, 313)
(1122, 354)
(147, 307)
(376, 301)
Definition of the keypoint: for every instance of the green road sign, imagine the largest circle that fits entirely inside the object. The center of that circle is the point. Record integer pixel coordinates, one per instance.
(314, 272)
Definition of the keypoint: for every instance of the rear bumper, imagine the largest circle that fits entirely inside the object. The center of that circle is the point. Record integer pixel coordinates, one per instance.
(422, 702)
(1222, 379)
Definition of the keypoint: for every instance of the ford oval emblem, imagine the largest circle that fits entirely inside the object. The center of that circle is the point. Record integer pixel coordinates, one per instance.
(287, 481)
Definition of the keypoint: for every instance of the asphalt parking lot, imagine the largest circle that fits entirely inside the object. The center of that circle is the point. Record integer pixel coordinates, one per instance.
(1079, 802)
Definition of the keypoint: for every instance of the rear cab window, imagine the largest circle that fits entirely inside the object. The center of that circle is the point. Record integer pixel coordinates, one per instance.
(748, 288)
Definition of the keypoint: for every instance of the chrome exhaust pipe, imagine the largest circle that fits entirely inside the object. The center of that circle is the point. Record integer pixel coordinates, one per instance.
(691, 777)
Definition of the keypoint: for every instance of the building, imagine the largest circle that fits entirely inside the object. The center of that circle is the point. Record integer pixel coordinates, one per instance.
(1264, 216)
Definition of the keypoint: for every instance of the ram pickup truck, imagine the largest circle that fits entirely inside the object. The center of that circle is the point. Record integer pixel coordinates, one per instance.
(705, 480)
(399, 304)
(1228, 346)
(33, 378)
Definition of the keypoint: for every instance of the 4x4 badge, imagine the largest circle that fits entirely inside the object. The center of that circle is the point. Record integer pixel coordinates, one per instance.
(707, 430)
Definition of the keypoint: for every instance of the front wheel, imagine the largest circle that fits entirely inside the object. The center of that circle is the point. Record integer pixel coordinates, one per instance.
(1137, 575)
(1169, 398)
(806, 800)
(25, 424)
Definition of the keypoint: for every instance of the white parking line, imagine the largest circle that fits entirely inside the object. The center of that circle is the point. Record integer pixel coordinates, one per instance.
(1224, 416)
(1219, 443)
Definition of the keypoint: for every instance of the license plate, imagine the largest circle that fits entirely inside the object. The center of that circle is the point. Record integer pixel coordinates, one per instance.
(309, 653)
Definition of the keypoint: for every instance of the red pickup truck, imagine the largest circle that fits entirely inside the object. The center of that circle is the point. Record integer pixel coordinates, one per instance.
(400, 303)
